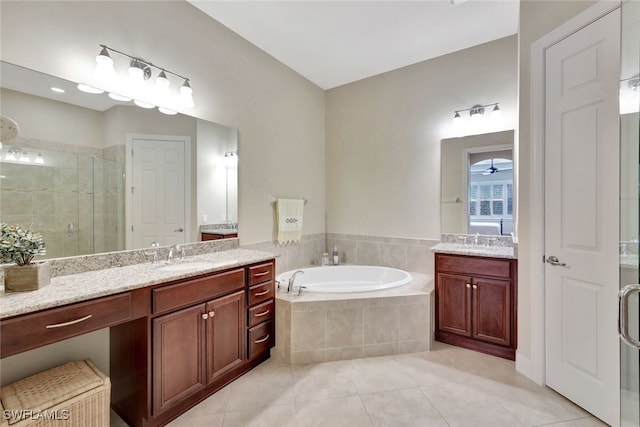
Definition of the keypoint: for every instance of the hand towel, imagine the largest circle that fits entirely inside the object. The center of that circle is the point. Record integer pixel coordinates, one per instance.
(289, 213)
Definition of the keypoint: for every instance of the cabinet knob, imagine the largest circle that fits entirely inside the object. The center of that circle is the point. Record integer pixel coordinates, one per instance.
(212, 313)
(205, 316)
(475, 286)
(468, 285)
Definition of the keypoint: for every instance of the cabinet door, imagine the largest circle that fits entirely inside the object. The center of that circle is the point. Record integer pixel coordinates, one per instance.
(492, 311)
(226, 334)
(178, 355)
(453, 295)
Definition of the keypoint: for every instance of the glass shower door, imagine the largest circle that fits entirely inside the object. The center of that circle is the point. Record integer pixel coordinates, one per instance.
(630, 215)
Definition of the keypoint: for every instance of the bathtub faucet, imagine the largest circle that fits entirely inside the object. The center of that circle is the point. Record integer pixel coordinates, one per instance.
(292, 279)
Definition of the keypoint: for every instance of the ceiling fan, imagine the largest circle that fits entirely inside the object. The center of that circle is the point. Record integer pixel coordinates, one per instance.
(490, 170)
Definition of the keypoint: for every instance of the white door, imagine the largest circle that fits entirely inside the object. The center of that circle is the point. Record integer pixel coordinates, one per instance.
(582, 217)
(158, 192)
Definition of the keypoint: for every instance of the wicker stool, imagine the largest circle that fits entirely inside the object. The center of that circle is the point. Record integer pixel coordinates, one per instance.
(75, 394)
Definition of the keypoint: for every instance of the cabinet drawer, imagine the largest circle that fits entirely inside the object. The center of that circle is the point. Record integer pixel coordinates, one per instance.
(261, 273)
(34, 330)
(194, 291)
(474, 265)
(261, 338)
(261, 293)
(260, 313)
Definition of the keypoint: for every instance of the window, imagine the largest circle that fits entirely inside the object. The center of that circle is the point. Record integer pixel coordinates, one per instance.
(492, 199)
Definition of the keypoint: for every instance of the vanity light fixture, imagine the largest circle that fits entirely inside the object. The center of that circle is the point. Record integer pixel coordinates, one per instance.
(136, 86)
(39, 159)
(476, 113)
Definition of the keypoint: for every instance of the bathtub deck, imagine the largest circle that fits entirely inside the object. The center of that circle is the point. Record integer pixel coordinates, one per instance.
(322, 327)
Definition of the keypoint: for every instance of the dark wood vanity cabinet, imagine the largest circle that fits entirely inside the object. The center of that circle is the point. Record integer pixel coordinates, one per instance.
(476, 303)
(201, 334)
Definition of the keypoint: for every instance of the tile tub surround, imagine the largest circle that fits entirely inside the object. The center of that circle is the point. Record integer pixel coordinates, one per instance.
(315, 328)
(73, 288)
(293, 256)
(405, 254)
(488, 246)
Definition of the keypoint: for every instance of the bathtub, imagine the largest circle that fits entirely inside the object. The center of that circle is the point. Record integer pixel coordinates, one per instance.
(346, 279)
(352, 311)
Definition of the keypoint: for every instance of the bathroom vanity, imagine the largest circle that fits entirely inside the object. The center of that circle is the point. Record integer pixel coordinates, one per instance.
(476, 299)
(176, 337)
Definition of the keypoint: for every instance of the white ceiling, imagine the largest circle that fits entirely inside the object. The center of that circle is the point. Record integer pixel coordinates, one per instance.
(333, 43)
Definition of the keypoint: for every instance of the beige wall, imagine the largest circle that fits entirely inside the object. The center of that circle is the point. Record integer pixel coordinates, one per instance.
(48, 120)
(384, 132)
(537, 18)
(279, 114)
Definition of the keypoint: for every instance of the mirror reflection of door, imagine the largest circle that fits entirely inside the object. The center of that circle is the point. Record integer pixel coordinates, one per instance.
(490, 197)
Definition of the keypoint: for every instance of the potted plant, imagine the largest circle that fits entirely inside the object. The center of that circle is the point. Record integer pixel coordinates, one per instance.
(20, 246)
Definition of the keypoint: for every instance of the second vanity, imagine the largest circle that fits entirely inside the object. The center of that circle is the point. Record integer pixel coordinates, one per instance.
(177, 333)
(476, 294)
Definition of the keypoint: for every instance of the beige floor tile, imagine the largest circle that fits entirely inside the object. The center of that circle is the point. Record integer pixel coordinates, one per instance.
(341, 412)
(428, 372)
(379, 374)
(319, 387)
(327, 368)
(583, 422)
(453, 398)
(200, 420)
(531, 404)
(270, 416)
(488, 416)
(401, 408)
(250, 395)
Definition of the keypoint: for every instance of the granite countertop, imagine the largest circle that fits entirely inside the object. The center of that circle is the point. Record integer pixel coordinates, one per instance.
(93, 284)
(477, 245)
(485, 251)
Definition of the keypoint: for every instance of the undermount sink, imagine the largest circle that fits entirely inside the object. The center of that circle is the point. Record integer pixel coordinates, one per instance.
(186, 266)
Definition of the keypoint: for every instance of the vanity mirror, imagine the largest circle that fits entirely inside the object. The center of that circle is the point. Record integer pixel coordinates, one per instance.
(97, 175)
(477, 191)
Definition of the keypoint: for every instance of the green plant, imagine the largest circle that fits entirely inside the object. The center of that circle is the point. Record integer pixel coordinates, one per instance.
(19, 245)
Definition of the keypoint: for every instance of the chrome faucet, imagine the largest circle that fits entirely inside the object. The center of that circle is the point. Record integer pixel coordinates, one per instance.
(155, 246)
(292, 279)
(173, 249)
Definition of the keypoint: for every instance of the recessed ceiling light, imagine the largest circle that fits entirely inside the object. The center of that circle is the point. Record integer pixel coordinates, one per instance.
(57, 89)
(89, 89)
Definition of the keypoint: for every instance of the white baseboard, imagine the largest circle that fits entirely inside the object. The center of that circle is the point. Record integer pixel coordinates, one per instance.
(526, 367)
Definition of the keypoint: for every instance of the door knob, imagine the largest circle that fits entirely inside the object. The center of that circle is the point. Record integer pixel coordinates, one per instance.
(179, 230)
(553, 260)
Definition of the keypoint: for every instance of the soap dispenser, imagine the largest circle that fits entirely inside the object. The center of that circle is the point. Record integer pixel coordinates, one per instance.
(336, 256)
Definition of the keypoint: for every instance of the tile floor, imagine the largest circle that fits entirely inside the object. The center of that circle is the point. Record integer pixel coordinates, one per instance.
(447, 386)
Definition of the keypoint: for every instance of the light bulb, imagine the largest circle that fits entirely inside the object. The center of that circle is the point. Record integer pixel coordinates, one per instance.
(104, 71)
(39, 159)
(186, 95)
(24, 157)
(162, 82)
(136, 73)
(496, 113)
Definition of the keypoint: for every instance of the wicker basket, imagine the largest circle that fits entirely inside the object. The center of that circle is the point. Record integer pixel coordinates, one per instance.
(75, 394)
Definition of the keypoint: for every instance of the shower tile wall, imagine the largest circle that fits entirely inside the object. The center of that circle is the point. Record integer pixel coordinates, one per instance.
(70, 189)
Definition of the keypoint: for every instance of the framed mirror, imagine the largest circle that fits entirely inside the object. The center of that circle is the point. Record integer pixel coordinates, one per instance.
(79, 170)
(477, 189)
